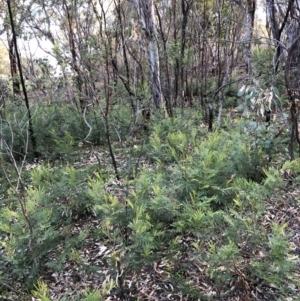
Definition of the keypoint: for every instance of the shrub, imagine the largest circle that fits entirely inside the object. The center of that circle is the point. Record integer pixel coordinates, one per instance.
(37, 223)
(202, 200)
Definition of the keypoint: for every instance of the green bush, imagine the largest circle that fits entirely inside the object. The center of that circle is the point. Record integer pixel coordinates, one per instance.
(57, 130)
(202, 201)
(198, 201)
(210, 162)
(38, 222)
(161, 220)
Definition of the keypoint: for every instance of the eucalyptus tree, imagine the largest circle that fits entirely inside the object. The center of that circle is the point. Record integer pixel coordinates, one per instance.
(164, 14)
(13, 30)
(215, 33)
(19, 15)
(292, 69)
(278, 16)
(67, 25)
(248, 8)
(16, 14)
(283, 21)
(145, 10)
(249, 19)
(192, 47)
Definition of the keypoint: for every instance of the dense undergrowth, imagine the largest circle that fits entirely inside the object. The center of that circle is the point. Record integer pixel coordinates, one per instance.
(194, 203)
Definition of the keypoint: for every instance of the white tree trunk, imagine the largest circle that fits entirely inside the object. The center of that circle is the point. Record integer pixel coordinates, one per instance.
(145, 10)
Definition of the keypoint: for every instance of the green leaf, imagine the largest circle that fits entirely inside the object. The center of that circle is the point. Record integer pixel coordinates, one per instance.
(240, 107)
(245, 112)
(241, 91)
(249, 96)
(41, 291)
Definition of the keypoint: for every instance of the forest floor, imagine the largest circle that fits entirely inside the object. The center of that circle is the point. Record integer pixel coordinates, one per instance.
(91, 267)
(155, 282)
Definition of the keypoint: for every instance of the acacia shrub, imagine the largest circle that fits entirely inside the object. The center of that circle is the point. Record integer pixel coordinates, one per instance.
(43, 237)
(60, 128)
(206, 208)
(218, 156)
(200, 207)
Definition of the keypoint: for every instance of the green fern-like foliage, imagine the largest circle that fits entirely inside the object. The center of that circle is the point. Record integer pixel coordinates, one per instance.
(208, 189)
(198, 201)
(41, 291)
(206, 166)
(38, 222)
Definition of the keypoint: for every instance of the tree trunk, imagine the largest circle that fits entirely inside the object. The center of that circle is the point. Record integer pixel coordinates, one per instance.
(145, 10)
(75, 64)
(292, 77)
(13, 65)
(18, 62)
(185, 8)
(167, 89)
(276, 28)
(249, 24)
